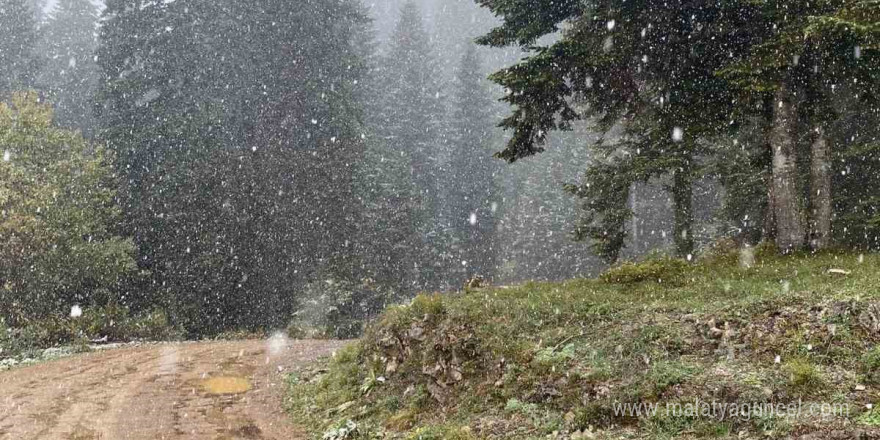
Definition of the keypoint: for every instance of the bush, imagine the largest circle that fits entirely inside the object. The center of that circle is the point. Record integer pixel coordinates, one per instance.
(803, 376)
(337, 309)
(112, 323)
(155, 326)
(660, 270)
(60, 244)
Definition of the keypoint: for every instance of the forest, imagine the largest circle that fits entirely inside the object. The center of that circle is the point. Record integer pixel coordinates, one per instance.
(201, 167)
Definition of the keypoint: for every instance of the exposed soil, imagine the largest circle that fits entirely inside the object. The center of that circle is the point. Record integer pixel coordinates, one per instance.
(158, 392)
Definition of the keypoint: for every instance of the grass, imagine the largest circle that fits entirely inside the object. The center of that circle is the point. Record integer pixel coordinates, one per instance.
(552, 359)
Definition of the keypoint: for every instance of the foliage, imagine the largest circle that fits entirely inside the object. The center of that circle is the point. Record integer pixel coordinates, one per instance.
(18, 57)
(672, 87)
(59, 246)
(870, 417)
(69, 75)
(659, 270)
(871, 365)
(111, 323)
(337, 309)
(858, 223)
(402, 180)
(236, 154)
(803, 376)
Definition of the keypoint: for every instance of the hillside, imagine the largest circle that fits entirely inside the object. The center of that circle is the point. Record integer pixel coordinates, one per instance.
(734, 346)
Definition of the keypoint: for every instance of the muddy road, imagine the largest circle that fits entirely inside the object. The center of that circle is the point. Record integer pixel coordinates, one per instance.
(215, 390)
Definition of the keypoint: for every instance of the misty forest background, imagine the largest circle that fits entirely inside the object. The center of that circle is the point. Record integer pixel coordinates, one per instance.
(224, 165)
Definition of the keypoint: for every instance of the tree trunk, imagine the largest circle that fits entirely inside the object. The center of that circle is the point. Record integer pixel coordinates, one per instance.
(683, 199)
(788, 207)
(769, 228)
(820, 192)
(634, 195)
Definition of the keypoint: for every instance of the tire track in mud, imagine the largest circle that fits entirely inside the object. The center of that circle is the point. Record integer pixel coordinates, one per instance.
(156, 392)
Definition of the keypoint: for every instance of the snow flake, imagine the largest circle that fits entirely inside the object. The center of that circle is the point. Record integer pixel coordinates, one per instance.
(608, 44)
(148, 97)
(677, 134)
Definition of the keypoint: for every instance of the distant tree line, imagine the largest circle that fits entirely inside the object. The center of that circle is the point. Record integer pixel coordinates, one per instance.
(242, 165)
(264, 159)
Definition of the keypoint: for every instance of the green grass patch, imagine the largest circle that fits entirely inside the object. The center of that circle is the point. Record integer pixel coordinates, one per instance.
(542, 358)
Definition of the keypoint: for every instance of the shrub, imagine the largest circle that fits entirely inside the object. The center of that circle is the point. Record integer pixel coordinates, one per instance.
(802, 376)
(661, 270)
(112, 323)
(60, 244)
(337, 309)
(155, 326)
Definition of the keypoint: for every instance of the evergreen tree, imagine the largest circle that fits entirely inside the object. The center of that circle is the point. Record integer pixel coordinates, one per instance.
(238, 154)
(69, 75)
(408, 126)
(803, 53)
(18, 59)
(654, 67)
(472, 200)
(642, 67)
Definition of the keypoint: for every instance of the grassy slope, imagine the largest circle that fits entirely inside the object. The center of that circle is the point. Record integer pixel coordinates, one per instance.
(551, 359)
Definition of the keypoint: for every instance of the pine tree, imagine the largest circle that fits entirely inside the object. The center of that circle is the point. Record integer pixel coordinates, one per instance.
(69, 75)
(408, 126)
(472, 200)
(644, 68)
(654, 66)
(18, 59)
(238, 154)
(805, 51)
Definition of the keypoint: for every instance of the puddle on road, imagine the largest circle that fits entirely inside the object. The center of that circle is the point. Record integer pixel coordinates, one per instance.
(226, 385)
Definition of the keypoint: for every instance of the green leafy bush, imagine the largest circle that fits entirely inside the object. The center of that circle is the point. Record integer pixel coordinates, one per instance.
(57, 242)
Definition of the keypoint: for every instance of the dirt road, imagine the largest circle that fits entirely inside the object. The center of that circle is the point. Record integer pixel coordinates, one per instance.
(217, 390)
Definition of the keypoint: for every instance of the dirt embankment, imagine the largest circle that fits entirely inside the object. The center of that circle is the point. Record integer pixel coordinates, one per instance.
(217, 390)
